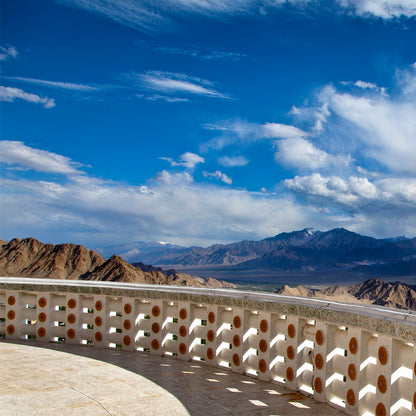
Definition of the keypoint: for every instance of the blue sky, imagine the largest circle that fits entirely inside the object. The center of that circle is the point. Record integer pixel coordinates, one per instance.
(202, 121)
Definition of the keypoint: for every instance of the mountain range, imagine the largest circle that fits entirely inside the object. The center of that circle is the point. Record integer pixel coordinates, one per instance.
(308, 250)
(372, 291)
(31, 258)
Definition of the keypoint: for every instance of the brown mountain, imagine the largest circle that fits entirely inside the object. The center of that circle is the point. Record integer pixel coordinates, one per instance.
(372, 291)
(31, 258)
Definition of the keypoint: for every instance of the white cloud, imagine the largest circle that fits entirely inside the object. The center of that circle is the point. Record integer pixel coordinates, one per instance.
(10, 94)
(169, 82)
(386, 9)
(239, 131)
(188, 160)
(171, 207)
(151, 15)
(167, 178)
(208, 55)
(302, 154)
(55, 84)
(165, 98)
(6, 53)
(219, 175)
(232, 161)
(16, 153)
(282, 131)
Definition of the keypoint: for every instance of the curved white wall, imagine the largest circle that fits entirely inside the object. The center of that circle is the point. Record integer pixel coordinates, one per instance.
(359, 358)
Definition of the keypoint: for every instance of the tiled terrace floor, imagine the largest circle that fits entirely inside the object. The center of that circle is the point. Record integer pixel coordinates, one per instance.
(62, 380)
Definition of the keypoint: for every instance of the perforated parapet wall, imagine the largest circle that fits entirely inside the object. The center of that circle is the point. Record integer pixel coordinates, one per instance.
(358, 358)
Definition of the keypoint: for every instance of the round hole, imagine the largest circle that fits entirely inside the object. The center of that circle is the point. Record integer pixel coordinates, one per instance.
(263, 325)
(380, 410)
(72, 303)
(41, 332)
(98, 321)
(319, 337)
(350, 397)
(291, 331)
(182, 331)
(210, 354)
(98, 336)
(71, 318)
(10, 329)
(98, 305)
(318, 385)
(182, 348)
(262, 366)
(211, 317)
(155, 344)
(127, 308)
(42, 302)
(210, 335)
(126, 340)
(263, 345)
(42, 317)
(126, 325)
(237, 321)
(182, 313)
(382, 355)
(353, 345)
(352, 372)
(382, 384)
(236, 341)
(70, 333)
(319, 362)
(290, 352)
(11, 315)
(155, 311)
(155, 327)
(289, 373)
(236, 360)
(11, 300)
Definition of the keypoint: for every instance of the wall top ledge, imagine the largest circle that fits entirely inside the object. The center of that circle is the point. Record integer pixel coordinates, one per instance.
(394, 322)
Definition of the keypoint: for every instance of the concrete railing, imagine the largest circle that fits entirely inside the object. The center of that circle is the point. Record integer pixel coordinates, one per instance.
(358, 358)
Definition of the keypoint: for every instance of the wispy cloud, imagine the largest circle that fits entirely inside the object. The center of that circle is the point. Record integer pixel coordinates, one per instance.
(164, 98)
(55, 84)
(188, 160)
(10, 94)
(16, 153)
(218, 175)
(207, 55)
(176, 83)
(7, 52)
(233, 161)
(152, 15)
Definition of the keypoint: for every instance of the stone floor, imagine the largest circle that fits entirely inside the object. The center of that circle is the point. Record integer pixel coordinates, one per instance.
(63, 380)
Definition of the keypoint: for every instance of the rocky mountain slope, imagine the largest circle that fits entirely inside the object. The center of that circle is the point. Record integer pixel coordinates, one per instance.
(372, 291)
(301, 251)
(31, 258)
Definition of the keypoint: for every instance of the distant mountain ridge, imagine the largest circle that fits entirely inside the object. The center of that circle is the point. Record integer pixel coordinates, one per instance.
(372, 291)
(299, 251)
(31, 258)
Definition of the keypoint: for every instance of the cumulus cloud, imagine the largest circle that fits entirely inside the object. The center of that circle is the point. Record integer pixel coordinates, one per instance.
(188, 160)
(17, 153)
(282, 131)
(301, 153)
(170, 207)
(233, 161)
(10, 94)
(219, 175)
(7, 52)
(174, 83)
